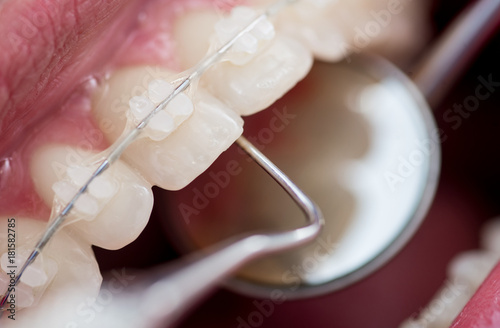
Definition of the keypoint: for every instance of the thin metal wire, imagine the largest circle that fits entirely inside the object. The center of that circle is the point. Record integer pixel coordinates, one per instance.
(122, 144)
(162, 302)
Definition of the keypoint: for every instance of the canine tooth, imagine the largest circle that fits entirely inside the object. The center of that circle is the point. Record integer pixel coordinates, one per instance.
(114, 210)
(205, 127)
(256, 85)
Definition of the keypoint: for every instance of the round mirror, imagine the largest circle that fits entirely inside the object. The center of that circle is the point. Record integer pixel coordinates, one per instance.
(359, 139)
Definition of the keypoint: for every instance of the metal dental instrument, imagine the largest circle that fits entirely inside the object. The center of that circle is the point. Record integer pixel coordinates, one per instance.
(121, 144)
(364, 251)
(156, 303)
(163, 302)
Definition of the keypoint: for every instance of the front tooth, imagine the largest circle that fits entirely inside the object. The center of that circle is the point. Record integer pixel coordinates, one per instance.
(204, 127)
(260, 82)
(65, 263)
(116, 206)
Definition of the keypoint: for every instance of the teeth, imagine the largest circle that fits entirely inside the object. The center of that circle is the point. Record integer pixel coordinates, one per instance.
(192, 30)
(37, 274)
(467, 271)
(320, 25)
(116, 206)
(472, 267)
(205, 127)
(64, 263)
(268, 76)
(165, 121)
(248, 44)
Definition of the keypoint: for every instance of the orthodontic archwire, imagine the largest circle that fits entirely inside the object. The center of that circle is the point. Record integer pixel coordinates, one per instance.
(120, 145)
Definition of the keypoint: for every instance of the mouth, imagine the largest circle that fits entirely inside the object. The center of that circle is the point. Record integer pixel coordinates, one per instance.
(74, 77)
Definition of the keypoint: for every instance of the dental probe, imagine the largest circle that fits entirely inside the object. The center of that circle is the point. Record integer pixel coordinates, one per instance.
(120, 145)
(162, 301)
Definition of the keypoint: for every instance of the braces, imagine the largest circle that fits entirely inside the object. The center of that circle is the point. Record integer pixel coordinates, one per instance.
(120, 145)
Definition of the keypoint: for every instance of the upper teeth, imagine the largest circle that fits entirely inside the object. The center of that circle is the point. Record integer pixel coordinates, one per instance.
(165, 121)
(112, 212)
(182, 139)
(100, 191)
(249, 43)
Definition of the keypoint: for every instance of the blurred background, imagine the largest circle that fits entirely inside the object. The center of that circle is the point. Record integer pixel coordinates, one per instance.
(467, 196)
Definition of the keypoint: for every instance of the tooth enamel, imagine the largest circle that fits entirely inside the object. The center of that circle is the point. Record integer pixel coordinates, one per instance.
(100, 190)
(65, 262)
(113, 211)
(164, 121)
(248, 44)
(140, 106)
(320, 25)
(85, 205)
(208, 128)
(192, 43)
(259, 83)
(37, 274)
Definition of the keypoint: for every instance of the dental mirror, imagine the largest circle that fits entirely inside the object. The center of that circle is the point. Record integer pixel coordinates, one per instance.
(359, 139)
